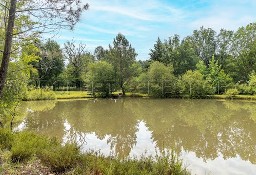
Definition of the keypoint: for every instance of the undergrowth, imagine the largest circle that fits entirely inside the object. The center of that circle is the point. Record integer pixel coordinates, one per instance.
(68, 159)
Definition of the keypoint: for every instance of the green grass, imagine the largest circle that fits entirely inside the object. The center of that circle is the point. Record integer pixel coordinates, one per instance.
(39, 94)
(19, 149)
(130, 94)
(235, 97)
(72, 94)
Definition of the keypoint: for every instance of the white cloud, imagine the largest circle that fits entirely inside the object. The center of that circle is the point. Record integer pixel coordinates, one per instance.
(225, 14)
(119, 10)
(143, 21)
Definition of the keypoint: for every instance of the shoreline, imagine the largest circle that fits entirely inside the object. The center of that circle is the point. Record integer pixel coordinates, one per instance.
(81, 95)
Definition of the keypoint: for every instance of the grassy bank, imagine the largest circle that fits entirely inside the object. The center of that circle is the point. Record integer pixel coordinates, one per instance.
(235, 97)
(41, 94)
(72, 94)
(28, 153)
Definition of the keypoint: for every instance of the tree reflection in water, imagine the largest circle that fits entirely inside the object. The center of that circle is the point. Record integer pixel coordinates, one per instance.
(208, 128)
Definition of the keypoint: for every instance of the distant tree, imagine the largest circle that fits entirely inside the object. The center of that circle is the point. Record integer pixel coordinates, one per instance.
(101, 73)
(252, 82)
(157, 53)
(78, 61)
(244, 51)
(224, 41)
(99, 53)
(144, 65)
(186, 58)
(51, 63)
(216, 76)
(204, 43)
(181, 54)
(160, 75)
(194, 84)
(122, 56)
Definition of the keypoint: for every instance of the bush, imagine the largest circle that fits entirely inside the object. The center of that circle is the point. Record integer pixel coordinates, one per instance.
(244, 89)
(163, 164)
(194, 85)
(231, 93)
(6, 139)
(61, 158)
(27, 144)
(156, 91)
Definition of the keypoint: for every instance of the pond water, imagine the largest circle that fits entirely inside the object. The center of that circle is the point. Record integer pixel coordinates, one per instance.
(210, 136)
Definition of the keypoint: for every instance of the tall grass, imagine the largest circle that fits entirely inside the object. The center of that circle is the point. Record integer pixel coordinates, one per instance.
(71, 94)
(67, 159)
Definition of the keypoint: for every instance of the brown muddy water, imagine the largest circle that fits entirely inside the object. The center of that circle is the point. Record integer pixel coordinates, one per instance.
(210, 136)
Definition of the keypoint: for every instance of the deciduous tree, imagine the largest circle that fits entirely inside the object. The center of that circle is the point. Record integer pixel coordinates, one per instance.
(45, 16)
(122, 56)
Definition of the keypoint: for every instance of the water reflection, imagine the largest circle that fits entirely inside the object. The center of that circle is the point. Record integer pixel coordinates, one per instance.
(207, 130)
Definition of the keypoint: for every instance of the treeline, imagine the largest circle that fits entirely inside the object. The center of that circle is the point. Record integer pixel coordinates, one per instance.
(198, 65)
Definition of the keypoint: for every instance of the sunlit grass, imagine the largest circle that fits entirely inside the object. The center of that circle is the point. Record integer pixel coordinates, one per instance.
(235, 97)
(39, 94)
(72, 94)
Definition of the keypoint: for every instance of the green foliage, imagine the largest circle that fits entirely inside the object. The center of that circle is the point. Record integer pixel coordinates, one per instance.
(158, 53)
(180, 54)
(39, 94)
(78, 61)
(61, 158)
(139, 84)
(161, 164)
(252, 82)
(244, 52)
(101, 73)
(244, 89)
(204, 43)
(14, 90)
(159, 75)
(71, 94)
(68, 158)
(194, 85)
(217, 77)
(26, 144)
(51, 63)
(6, 139)
(122, 56)
(231, 93)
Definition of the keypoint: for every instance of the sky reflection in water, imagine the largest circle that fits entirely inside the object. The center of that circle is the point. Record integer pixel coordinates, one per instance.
(211, 136)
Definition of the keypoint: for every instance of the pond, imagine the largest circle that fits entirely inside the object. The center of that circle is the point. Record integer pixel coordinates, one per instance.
(210, 136)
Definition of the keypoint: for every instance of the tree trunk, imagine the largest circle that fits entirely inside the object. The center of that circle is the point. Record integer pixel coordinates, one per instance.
(123, 90)
(7, 45)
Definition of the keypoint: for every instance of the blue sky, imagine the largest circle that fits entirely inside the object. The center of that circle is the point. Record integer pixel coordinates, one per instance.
(142, 21)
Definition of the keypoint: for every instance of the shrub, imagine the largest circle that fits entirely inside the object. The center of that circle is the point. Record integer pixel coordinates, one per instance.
(232, 93)
(61, 158)
(27, 144)
(163, 164)
(194, 85)
(245, 89)
(6, 139)
(156, 91)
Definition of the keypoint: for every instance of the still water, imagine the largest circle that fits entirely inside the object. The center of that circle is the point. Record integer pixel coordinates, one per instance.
(210, 136)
